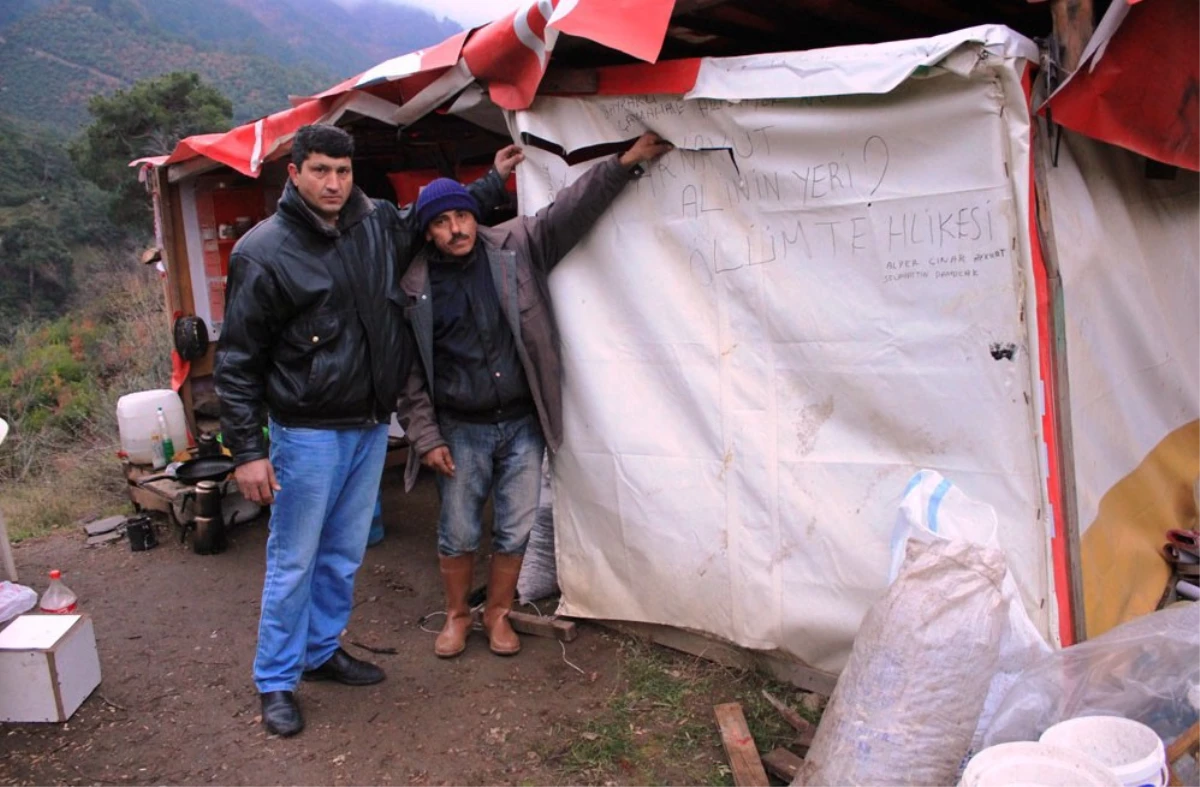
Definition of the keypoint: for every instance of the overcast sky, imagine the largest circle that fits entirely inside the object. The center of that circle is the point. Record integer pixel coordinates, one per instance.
(467, 13)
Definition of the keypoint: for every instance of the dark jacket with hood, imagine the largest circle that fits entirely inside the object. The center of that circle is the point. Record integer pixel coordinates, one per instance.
(314, 332)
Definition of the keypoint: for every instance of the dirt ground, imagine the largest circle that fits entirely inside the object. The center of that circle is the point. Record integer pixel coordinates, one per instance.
(175, 633)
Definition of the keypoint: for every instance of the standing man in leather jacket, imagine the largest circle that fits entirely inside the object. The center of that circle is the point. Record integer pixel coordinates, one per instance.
(314, 340)
(486, 399)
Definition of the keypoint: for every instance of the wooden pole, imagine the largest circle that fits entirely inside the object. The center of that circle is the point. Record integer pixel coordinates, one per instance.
(1073, 27)
(1061, 384)
(180, 298)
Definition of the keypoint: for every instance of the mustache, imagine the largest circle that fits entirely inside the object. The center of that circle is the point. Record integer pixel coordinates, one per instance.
(459, 236)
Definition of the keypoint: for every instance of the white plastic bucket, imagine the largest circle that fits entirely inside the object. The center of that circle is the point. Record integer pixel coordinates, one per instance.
(1029, 764)
(1128, 748)
(137, 420)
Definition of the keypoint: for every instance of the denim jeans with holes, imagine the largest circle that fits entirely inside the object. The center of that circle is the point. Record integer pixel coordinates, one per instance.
(503, 460)
(329, 481)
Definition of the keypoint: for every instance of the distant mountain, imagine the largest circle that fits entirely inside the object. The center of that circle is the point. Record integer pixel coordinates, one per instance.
(56, 54)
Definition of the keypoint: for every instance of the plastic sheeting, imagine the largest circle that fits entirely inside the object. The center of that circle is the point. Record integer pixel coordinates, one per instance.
(770, 332)
(1127, 246)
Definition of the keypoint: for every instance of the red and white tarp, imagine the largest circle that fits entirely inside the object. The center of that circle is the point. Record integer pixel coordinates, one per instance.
(1137, 83)
(510, 55)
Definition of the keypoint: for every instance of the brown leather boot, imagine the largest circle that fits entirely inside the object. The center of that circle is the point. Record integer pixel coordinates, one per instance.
(502, 586)
(456, 577)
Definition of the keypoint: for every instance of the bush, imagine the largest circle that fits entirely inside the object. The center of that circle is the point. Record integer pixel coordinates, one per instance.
(59, 384)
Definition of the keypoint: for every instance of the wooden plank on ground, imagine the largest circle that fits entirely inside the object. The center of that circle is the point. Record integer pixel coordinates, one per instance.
(739, 746)
(546, 626)
(782, 764)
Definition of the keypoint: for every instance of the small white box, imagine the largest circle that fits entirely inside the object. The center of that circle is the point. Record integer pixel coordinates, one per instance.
(48, 667)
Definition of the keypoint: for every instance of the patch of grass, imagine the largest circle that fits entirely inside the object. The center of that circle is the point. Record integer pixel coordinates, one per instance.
(658, 726)
(84, 484)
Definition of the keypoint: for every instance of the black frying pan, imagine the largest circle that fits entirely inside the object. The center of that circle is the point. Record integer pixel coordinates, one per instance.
(208, 468)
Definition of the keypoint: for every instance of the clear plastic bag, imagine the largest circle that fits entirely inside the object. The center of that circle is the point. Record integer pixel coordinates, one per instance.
(1143, 670)
(15, 599)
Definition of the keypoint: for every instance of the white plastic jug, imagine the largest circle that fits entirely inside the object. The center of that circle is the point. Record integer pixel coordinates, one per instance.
(137, 420)
(1128, 748)
(1029, 764)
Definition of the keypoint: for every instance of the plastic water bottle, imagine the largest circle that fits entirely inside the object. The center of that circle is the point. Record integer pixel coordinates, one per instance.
(167, 443)
(158, 459)
(58, 598)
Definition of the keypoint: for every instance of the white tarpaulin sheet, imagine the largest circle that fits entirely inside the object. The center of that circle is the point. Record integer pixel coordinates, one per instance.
(775, 328)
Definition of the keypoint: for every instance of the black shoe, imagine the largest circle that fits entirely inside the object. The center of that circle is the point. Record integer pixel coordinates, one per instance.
(281, 714)
(344, 668)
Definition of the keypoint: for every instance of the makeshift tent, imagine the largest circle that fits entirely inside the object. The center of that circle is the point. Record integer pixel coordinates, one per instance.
(826, 288)
(833, 282)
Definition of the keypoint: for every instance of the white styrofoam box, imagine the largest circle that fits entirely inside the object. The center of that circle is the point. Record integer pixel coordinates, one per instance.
(48, 667)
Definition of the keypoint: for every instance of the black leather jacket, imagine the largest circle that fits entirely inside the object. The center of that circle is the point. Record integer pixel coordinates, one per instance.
(314, 330)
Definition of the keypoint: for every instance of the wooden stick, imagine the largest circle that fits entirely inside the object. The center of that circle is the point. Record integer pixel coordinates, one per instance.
(793, 718)
(1182, 745)
(1188, 740)
(739, 746)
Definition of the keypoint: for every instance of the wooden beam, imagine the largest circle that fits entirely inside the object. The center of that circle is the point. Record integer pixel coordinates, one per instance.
(547, 626)
(570, 81)
(727, 654)
(1060, 382)
(1074, 24)
(739, 746)
(181, 299)
(190, 168)
(685, 7)
(782, 764)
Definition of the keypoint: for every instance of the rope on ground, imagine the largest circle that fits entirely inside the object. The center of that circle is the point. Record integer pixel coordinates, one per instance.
(563, 645)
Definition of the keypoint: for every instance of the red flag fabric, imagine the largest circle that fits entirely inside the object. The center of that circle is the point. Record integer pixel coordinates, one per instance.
(635, 27)
(511, 54)
(1140, 92)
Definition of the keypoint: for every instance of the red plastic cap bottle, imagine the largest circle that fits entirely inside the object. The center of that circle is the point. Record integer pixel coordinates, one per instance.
(58, 598)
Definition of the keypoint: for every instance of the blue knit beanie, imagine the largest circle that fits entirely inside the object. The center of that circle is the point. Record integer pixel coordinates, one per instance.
(442, 195)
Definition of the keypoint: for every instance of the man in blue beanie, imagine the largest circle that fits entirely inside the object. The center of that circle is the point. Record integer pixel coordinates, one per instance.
(486, 400)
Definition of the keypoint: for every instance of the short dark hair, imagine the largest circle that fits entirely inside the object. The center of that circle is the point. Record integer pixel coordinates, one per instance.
(328, 140)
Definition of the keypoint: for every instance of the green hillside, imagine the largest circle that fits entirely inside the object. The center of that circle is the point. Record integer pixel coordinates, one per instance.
(56, 54)
(52, 61)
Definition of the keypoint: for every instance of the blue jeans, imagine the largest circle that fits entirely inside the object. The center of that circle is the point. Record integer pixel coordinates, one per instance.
(329, 481)
(503, 459)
